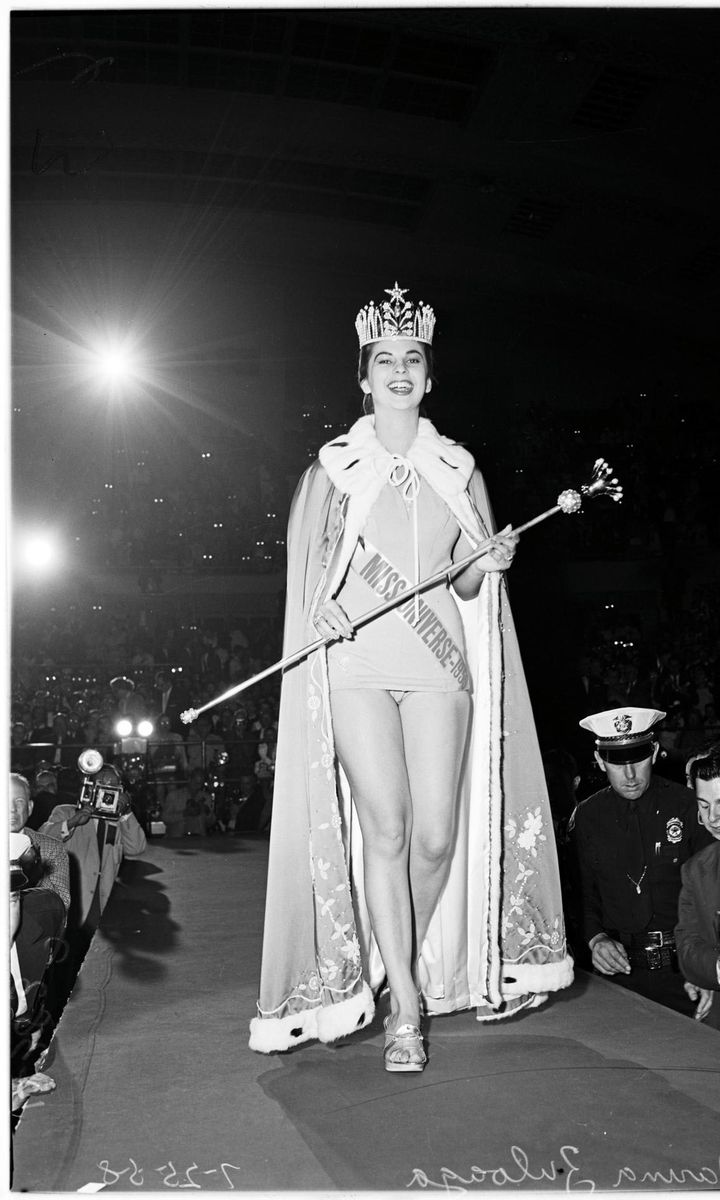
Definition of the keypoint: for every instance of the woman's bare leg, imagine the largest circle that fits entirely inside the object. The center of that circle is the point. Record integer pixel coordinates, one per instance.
(435, 730)
(369, 742)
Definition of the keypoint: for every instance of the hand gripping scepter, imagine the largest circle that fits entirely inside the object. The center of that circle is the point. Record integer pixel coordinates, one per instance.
(570, 501)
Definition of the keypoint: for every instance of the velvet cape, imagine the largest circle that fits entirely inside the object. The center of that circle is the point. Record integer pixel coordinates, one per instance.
(497, 940)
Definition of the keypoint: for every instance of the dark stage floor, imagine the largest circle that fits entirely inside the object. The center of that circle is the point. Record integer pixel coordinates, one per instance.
(157, 1089)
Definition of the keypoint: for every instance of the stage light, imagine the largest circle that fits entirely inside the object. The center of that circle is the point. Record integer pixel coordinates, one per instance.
(115, 363)
(37, 552)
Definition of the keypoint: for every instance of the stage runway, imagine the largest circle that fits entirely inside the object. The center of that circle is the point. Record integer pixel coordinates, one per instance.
(157, 1089)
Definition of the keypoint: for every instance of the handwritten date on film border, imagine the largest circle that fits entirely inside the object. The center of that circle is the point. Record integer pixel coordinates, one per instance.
(172, 1177)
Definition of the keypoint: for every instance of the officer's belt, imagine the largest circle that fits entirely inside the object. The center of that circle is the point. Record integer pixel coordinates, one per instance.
(652, 949)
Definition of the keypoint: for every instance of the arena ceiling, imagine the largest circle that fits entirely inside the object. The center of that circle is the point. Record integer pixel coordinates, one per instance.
(579, 142)
(548, 174)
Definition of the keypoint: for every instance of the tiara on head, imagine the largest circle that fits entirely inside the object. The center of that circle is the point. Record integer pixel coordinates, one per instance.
(395, 318)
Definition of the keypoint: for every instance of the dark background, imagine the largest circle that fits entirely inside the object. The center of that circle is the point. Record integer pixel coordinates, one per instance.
(227, 187)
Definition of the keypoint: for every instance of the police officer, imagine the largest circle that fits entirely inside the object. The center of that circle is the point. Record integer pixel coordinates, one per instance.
(632, 838)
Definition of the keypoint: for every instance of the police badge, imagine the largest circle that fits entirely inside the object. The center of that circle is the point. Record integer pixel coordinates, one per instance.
(623, 723)
(674, 830)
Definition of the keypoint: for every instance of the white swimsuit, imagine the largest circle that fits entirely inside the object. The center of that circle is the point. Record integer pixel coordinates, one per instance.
(418, 646)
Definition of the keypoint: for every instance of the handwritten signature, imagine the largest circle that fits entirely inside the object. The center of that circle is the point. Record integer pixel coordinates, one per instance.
(172, 1176)
(565, 1171)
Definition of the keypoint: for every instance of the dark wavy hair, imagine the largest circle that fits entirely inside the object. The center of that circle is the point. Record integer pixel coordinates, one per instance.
(705, 766)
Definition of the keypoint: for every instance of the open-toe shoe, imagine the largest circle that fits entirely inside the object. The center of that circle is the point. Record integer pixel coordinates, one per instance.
(408, 1040)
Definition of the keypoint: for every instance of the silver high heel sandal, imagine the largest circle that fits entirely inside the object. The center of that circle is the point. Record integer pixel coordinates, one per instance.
(407, 1038)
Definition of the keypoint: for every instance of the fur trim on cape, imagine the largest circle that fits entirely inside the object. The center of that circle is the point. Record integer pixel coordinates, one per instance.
(519, 978)
(325, 1023)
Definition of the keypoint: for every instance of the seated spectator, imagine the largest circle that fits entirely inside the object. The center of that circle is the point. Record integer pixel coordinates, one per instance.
(21, 755)
(265, 767)
(692, 736)
(166, 748)
(174, 805)
(702, 690)
(44, 790)
(140, 790)
(253, 814)
(241, 744)
(66, 750)
(674, 686)
(43, 909)
(105, 735)
(697, 933)
(563, 779)
(711, 724)
(210, 803)
(126, 701)
(41, 733)
(198, 806)
(90, 729)
(223, 723)
(203, 746)
(170, 698)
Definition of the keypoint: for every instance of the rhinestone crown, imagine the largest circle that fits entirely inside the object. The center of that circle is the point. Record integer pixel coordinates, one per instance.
(395, 318)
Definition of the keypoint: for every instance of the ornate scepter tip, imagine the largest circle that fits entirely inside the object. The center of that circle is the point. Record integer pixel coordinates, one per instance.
(604, 482)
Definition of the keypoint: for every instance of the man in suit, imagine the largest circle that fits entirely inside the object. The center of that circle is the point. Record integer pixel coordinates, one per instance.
(698, 929)
(58, 746)
(170, 699)
(44, 792)
(632, 838)
(96, 847)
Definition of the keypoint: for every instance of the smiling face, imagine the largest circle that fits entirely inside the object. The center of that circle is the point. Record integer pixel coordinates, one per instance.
(630, 780)
(708, 802)
(397, 374)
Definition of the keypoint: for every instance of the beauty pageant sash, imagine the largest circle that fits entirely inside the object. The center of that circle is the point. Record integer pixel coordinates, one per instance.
(387, 583)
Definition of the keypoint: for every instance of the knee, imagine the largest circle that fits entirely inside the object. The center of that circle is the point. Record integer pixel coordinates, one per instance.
(389, 840)
(432, 846)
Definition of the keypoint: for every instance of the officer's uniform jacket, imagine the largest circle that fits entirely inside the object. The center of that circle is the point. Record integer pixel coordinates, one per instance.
(630, 854)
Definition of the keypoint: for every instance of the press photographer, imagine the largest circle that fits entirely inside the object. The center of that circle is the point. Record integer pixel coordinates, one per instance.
(98, 832)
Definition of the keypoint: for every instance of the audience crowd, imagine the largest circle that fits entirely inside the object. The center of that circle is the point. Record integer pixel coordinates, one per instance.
(664, 452)
(224, 508)
(74, 682)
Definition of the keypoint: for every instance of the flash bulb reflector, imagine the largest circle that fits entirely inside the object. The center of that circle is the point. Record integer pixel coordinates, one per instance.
(90, 761)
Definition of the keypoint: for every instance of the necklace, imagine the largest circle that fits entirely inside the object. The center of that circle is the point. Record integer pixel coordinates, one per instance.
(636, 882)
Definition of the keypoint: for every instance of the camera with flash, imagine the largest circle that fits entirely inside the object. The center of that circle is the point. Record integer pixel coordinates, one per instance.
(102, 792)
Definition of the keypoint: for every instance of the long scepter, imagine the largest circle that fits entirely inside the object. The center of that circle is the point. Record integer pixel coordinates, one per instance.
(569, 501)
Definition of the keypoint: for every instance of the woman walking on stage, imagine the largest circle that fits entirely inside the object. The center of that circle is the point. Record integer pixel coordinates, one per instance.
(407, 766)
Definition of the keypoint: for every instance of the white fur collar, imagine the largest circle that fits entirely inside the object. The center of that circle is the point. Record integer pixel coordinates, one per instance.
(357, 462)
(359, 466)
